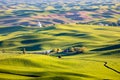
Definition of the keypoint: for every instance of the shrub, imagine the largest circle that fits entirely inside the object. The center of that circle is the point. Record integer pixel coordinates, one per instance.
(57, 50)
(24, 51)
(54, 50)
(71, 49)
(81, 50)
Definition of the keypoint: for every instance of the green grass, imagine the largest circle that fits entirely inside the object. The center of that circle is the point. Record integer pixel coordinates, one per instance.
(59, 36)
(41, 67)
(103, 43)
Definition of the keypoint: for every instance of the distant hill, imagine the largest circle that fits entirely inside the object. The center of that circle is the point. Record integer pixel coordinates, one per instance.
(39, 1)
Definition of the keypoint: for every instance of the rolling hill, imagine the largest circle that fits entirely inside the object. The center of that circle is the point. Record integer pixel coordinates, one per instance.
(78, 40)
(103, 43)
(96, 38)
(42, 67)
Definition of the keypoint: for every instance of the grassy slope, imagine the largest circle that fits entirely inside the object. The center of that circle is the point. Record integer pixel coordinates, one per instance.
(105, 40)
(79, 67)
(60, 36)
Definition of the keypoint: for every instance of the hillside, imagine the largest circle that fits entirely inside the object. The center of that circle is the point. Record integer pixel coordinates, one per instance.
(40, 67)
(97, 38)
(50, 12)
(59, 39)
(103, 43)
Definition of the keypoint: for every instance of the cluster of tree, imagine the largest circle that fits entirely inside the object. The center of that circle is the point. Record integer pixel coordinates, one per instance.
(76, 49)
(8, 51)
(56, 50)
(71, 49)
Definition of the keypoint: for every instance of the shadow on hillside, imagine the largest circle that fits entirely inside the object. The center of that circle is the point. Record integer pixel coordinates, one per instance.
(76, 74)
(43, 74)
(100, 29)
(10, 29)
(79, 44)
(70, 34)
(45, 29)
(75, 31)
(46, 22)
(66, 54)
(23, 13)
(31, 48)
(117, 46)
(85, 59)
(27, 75)
(5, 44)
(108, 13)
(107, 16)
(112, 52)
(24, 37)
(3, 17)
(35, 41)
(95, 15)
(1, 43)
(26, 24)
(10, 21)
(58, 21)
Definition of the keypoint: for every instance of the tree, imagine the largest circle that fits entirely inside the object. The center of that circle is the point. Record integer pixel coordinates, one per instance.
(57, 50)
(24, 51)
(81, 50)
(54, 50)
(71, 49)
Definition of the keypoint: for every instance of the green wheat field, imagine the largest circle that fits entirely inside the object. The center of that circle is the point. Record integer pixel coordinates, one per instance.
(102, 43)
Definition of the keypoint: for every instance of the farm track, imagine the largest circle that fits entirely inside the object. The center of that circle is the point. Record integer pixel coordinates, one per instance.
(105, 64)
